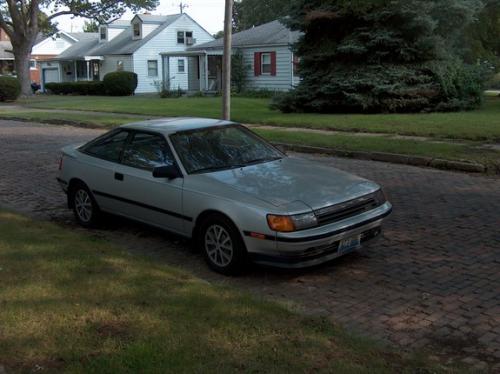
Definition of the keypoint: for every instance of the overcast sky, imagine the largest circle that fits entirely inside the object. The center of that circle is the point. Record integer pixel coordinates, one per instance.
(208, 13)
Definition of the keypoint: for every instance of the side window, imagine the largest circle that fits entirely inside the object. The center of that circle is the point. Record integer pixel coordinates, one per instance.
(181, 66)
(109, 147)
(266, 63)
(147, 151)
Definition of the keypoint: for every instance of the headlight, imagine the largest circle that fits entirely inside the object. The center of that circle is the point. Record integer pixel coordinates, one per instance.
(380, 197)
(291, 223)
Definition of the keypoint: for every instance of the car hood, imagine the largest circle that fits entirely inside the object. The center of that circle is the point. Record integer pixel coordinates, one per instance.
(290, 180)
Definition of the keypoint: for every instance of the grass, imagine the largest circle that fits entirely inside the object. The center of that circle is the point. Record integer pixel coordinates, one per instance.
(448, 151)
(74, 303)
(481, 124)
(81, 119)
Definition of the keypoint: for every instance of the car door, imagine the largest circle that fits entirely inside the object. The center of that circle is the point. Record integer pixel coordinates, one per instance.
(156, 201)
(100, 159)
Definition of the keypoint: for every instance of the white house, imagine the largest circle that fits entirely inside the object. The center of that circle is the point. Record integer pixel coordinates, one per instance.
(267, 53)
(136, 45)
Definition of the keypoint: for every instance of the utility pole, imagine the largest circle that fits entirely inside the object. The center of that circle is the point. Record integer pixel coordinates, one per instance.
(226, 63)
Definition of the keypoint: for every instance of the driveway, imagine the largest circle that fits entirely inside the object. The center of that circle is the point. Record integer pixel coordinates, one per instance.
(432, 281)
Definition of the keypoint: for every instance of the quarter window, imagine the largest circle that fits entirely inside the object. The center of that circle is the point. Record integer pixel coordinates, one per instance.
(109, 147)
(266, 63)
(152, 68)
(181, 66)
(147, 151)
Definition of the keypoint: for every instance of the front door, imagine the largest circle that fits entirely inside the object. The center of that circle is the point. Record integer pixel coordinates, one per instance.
(94, 70)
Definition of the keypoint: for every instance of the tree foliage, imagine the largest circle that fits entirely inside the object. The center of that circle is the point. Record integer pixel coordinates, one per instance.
(90, 26)
(250, 13)
(22, 20)
(382, 56)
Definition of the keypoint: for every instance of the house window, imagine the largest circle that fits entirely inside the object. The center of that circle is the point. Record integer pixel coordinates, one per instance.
(265, 63)
(180, 37)
(189, 38)
(33, 64)
(152, 68)
(181, 66)
(137, 30)
(119, 65)
(103, 33)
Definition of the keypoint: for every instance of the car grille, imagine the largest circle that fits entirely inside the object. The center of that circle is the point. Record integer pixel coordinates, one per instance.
(347, 209)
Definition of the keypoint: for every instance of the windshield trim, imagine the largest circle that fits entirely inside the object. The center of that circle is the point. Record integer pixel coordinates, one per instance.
(229, 167)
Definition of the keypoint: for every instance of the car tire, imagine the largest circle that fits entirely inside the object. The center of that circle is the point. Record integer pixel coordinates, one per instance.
(85, 208)
(222, 245)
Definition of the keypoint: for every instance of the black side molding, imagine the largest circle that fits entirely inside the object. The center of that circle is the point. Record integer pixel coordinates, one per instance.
(142, 205)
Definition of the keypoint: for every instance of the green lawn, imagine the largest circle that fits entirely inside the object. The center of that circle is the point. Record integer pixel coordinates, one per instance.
(482, 124)
(74, 303)
(447, 151)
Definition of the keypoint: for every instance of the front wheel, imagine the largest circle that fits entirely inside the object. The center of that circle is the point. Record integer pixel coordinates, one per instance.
(84, 206)
(222, 246)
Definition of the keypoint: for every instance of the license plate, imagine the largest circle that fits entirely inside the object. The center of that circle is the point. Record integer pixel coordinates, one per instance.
(349, 244)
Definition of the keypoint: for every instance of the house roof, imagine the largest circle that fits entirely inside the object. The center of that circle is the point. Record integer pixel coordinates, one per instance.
(87, 41)
(123, 44)
(152, 18)
(271, 33)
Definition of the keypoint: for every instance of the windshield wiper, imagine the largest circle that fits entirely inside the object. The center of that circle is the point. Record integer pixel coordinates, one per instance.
(211, 168)
(263, 159)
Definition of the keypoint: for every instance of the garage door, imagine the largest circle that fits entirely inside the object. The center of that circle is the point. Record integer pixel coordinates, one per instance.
(50, 75)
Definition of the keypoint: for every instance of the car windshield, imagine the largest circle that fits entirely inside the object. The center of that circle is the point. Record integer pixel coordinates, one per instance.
(220, 148)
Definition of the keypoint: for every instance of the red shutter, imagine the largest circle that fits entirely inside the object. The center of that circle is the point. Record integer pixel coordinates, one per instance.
(256, 63)
(273, 63)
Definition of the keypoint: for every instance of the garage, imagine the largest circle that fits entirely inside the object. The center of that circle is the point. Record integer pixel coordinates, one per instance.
(49, 75)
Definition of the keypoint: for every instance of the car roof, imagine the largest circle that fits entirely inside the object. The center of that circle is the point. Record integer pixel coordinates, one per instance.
(169, 126)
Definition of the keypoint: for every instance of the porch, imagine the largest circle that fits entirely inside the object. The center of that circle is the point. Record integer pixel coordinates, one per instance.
(200, 71)
(87, 69)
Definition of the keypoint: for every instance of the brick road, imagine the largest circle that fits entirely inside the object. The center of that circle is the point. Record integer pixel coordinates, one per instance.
(432, 281)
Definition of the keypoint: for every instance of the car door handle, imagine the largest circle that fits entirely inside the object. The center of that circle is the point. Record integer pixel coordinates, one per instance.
(119, 176)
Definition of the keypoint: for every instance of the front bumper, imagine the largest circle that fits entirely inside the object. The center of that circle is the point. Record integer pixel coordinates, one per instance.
(313, 247)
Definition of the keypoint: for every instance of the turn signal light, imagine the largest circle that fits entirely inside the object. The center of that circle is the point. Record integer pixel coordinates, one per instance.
(280, 223)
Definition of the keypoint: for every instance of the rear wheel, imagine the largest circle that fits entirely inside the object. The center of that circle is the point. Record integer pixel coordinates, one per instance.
(222, 245)
(84, 206)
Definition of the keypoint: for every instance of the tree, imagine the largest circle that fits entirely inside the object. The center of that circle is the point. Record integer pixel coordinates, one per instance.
(219, 34)
(382, 56)
(250, 13)
(90, 26)
(21, 20)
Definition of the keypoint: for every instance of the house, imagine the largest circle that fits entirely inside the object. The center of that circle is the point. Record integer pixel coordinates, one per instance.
(136, 45)
(44, 48)
(49, 47)
(267, 54)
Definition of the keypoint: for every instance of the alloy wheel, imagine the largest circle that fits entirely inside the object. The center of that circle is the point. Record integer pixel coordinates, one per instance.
(218, 245)
(83, 205)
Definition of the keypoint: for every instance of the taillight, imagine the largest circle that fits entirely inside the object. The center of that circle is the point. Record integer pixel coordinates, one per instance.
(61, 163)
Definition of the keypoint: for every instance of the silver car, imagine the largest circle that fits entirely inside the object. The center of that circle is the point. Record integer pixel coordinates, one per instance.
(217, 182)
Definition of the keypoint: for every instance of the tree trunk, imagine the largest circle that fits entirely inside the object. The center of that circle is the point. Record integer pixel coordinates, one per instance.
(22, 62)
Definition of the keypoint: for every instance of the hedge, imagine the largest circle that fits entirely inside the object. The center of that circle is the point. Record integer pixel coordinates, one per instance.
(76, 88)
(10, 88)
(120, 83)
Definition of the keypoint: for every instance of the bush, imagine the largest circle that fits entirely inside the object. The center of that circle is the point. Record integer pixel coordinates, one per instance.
(10, 89)
(120, 83)
(76, 88)
(445, 85)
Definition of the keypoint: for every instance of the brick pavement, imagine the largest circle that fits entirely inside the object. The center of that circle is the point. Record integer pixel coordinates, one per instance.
(432, 281)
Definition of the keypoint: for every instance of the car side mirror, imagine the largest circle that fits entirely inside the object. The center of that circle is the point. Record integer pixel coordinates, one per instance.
(169, 172)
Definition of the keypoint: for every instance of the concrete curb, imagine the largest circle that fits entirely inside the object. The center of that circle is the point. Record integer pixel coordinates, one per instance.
(436, 163)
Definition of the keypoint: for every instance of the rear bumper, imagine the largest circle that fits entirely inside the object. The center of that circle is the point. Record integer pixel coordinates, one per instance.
(306, 249)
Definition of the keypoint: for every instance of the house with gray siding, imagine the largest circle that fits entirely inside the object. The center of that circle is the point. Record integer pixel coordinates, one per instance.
(267, 53)
(136, 45)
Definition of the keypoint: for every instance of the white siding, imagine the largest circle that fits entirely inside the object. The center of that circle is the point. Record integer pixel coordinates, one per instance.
(114, 32)
(166, 41)
(282, 81)
(51, 46)
(110, 64)
(147, 28)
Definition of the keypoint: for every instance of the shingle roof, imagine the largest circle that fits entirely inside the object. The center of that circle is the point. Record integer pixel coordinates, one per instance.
(123, 44)
(152, 18)
(87, 41)
(272, 33)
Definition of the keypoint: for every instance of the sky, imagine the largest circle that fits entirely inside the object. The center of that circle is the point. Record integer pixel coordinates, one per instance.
(208, 13)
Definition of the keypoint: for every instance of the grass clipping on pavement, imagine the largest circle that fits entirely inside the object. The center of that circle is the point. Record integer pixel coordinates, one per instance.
(71, 302)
